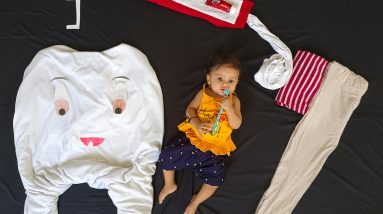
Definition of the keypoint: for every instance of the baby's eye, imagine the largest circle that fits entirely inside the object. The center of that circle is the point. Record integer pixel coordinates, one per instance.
(231, 81)
(220, 79)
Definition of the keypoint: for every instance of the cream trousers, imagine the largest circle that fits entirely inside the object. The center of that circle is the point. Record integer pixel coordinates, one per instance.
(313, 140)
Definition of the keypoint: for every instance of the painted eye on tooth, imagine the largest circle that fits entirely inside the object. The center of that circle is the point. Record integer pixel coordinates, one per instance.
(61, 107)
(61, 99)
(118, 106)
(119, 98)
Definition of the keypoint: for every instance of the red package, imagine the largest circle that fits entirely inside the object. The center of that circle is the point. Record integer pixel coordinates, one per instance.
(239, 23)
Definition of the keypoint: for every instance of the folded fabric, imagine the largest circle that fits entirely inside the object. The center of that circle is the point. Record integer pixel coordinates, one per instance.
(276, 70)
(304, 83)
(235, 18)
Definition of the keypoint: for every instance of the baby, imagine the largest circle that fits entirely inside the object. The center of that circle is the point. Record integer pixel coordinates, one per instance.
(197, 145)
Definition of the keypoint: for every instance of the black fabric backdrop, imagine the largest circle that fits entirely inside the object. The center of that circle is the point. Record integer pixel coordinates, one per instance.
(179, 48)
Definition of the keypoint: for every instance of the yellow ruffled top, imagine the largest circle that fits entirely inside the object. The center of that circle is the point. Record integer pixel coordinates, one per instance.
(220, 143)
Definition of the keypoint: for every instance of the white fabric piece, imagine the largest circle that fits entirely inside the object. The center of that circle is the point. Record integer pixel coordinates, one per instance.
(199, 5)
(276, 70)
(77, 25)
(90, 143)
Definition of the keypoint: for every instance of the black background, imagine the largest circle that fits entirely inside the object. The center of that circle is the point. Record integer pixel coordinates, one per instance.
(179, 48)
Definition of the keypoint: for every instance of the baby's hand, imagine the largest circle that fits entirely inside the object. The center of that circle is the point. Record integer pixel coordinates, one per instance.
(201, 127)
(226, 104)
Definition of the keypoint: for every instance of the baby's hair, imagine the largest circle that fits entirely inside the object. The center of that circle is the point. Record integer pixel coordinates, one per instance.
(224, 59)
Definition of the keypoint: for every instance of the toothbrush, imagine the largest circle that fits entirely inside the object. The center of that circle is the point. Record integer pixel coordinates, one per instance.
(214, 130)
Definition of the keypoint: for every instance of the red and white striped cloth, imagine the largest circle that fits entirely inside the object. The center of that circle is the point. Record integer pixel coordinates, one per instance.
(304, 83)
(200, 11)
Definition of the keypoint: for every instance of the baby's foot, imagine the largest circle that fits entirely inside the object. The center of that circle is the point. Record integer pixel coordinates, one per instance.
(166, 190)
(192, 207)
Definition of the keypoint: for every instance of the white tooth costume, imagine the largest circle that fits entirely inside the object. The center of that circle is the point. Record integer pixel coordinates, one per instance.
(90, 143)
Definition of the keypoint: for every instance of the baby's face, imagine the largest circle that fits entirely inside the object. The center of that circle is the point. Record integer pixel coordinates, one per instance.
(224, 77)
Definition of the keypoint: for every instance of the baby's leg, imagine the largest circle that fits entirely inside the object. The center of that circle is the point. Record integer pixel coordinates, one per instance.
(177, 154)
(204, 193)
(169, 187)
(211, 170)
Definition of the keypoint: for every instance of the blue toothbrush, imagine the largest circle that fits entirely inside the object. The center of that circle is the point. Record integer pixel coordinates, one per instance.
(214, 130)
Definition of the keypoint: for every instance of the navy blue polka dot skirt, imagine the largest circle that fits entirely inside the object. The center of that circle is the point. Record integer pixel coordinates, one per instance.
(179, 154)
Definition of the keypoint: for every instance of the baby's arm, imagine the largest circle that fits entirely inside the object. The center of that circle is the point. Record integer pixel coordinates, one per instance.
(191, 112)
(233, 112)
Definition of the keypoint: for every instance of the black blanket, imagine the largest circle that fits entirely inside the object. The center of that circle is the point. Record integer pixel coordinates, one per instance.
(179, 48)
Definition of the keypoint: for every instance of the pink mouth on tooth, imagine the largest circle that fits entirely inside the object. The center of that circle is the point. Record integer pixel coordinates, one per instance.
(92, 141)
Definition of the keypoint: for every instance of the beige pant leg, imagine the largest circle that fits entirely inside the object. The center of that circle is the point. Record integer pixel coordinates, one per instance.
(313, 140)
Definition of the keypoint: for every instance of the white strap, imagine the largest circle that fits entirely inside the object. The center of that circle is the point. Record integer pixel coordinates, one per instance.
(276, 70)
(77, 25)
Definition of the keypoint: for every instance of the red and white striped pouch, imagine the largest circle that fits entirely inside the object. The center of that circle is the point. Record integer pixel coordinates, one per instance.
(304, 83)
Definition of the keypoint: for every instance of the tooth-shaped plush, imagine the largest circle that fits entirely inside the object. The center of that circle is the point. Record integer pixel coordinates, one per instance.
(90, 143)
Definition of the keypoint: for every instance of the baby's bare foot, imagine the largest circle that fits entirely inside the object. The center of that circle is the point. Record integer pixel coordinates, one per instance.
(166, 190)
